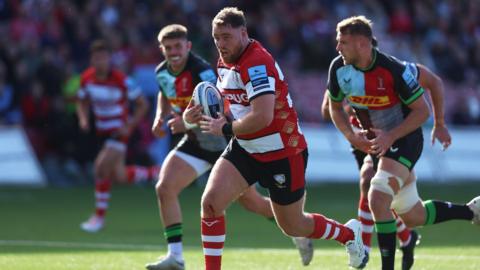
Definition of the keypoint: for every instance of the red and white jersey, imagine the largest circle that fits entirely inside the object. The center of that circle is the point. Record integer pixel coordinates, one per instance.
(109, 98)
(254, 74)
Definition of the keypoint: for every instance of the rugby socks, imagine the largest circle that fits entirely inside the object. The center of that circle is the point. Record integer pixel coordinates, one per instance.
(438, 211)
(330, 229)
(386, 231)
(366, 219)
(403, 233)
(213, 238)
(139, 174)
(102, 196)
(173, 235)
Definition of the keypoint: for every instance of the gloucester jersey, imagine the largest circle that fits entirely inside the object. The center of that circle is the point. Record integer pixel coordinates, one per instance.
(380, 94)
(178, 89)
(109, 98)
(254, 74)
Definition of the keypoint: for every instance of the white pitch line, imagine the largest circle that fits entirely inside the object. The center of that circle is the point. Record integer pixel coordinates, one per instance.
(319, 252)
(59, 244)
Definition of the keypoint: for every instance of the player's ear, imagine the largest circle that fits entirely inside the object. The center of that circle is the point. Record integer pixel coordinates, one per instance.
(189, 45)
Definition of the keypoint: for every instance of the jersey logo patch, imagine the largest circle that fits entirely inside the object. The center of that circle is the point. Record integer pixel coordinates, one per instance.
(370, 101)
(208, 76)
(410, 78)
(258, 77)
(280, 180)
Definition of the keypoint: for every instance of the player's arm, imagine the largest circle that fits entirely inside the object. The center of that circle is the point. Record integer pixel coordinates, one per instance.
(326, 107)
(260, 116)
(434, 84)
(163, 109)
(418, 115)
(82, 109)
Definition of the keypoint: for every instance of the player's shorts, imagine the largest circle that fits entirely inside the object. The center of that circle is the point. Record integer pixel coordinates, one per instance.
(284, 178)
(200, 159)
(406, 150)
(359, 156)
(111, 141)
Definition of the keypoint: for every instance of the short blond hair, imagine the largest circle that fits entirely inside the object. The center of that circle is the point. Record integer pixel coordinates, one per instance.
(356, 25)
(231, 16)
(172, 31)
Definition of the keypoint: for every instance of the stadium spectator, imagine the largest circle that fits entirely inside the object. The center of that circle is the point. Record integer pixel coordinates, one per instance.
(266, 146)
(388, 101)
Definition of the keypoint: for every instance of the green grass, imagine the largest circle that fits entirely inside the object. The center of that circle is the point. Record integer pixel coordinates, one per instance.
(39, 229)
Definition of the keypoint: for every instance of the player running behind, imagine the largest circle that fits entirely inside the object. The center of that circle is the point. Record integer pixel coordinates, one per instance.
(267, 146)
(408, 238)
(108, 91)
(197, 151)
(388, 101)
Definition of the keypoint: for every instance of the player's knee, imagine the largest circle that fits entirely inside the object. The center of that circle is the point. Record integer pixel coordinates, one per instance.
(164, 189)
(209, 206)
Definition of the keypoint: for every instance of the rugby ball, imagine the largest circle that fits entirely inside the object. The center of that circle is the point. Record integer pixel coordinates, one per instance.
(209, 97)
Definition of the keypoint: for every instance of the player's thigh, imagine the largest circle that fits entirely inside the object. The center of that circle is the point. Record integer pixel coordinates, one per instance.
(178, 171)
(224, 185)
(289, 216)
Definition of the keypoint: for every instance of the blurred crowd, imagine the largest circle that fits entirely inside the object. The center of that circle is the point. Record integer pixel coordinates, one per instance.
(44, 47)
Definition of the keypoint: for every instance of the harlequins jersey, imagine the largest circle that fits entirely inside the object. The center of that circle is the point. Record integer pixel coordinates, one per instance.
(379, 94)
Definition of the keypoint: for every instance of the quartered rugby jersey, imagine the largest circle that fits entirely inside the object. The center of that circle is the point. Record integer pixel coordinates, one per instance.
(256, 73)
(178, 89)
(109, 98)
(380, 94)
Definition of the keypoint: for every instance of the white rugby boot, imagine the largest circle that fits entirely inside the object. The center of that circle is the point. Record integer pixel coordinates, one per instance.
(305, 248)
(166, 263)
(358, 256)
(93, 224)
(474, 205)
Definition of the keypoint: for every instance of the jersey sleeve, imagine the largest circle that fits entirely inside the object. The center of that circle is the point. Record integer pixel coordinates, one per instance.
(133, 89)
(259, 77)
(407, 85)
(334, 91)
(208, 75)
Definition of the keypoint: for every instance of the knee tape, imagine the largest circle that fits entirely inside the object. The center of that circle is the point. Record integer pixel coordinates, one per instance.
(381, 181)
(406, 198)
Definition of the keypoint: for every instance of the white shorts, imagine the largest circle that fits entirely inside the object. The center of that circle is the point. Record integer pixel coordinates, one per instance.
(199, 165)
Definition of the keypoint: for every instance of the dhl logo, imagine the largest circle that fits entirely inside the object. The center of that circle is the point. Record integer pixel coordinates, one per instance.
(370, 101)
(181, 102)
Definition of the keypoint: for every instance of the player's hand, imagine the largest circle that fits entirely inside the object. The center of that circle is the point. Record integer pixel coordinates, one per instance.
(382, 142)
(359, 141)
(176, 124)
(213, 125)
(193, 114)
(440, 132)
(157, 128)
(84, 125)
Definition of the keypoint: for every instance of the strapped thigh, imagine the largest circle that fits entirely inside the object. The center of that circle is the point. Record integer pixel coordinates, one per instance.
(381, 182)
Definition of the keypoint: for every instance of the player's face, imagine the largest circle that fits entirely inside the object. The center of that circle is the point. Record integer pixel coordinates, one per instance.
(100, 60)
(229, 42)
(175, 51)
(347, 48)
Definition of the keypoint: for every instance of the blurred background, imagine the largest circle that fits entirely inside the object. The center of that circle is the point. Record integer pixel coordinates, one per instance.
(44, 48)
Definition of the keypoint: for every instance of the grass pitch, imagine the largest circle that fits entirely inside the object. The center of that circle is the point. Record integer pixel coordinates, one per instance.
(39, 229)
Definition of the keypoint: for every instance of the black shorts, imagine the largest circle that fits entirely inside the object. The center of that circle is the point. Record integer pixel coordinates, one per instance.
(406, 150)
(359, 156)
(192, 148)
(284, 178)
